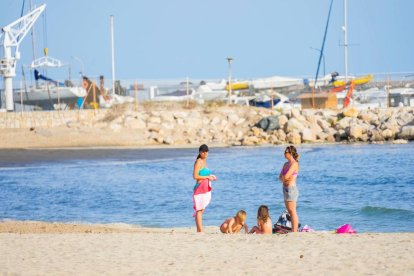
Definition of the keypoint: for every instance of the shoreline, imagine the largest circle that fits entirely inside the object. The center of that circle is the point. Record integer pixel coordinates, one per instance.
(10, 156)
(181, 251)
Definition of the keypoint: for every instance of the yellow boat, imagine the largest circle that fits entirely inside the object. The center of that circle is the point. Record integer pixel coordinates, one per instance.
(238, 86)
(357, 81)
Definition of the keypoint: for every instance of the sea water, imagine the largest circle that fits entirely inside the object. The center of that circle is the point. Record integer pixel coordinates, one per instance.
(370, 187)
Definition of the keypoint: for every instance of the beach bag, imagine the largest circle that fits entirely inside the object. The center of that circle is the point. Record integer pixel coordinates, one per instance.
(345, 229)
(283, 224)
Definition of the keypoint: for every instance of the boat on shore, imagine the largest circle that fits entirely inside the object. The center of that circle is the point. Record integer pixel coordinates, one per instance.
(47, 93)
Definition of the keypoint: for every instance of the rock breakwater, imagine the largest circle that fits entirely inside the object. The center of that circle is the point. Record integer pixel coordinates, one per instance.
(172, 124)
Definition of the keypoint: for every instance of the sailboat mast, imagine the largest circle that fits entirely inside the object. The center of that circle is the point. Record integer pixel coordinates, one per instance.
(113, 55)
(33, 38)
(345, 41)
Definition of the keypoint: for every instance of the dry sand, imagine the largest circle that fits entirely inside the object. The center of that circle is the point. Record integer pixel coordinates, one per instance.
(33, 248)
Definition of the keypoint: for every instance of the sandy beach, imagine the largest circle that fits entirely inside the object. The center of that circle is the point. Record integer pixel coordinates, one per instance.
(34, 248)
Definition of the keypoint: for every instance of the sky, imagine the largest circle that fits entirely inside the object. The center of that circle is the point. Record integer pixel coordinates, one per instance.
(172, 39)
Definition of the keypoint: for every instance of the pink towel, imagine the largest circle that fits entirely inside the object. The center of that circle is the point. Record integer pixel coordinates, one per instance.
(202, 195)
(345, 229)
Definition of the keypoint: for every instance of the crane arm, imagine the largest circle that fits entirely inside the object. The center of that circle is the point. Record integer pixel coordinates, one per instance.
(12, 36)
(17, 30)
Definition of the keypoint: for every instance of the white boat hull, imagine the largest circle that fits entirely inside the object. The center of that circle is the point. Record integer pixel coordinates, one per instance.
(43, 96)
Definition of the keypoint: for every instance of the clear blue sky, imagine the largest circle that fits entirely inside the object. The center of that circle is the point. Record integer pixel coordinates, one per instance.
(178, 38)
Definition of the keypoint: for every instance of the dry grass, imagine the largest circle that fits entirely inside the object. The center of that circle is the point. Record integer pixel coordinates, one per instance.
(115, 112)
(190, 104)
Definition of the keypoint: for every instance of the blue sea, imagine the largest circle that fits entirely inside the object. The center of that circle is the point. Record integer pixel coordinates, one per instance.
(368, 186)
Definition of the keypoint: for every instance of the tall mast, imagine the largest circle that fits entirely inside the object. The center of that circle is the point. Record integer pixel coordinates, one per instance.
(345, 28)
(33, 37)
(113, 55)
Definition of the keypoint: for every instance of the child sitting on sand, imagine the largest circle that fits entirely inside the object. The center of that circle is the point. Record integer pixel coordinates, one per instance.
(264, 223)
(235, 224)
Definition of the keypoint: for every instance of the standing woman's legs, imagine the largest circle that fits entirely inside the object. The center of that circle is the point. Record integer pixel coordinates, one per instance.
(291, 207)
(199, 220)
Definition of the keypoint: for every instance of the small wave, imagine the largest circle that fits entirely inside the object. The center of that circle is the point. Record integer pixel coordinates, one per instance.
(371, 210)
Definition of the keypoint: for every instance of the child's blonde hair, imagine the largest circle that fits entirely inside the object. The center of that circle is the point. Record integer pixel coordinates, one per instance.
(241, 215)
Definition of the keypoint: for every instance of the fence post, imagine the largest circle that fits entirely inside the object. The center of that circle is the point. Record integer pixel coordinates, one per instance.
(388, 91)
(136, 95)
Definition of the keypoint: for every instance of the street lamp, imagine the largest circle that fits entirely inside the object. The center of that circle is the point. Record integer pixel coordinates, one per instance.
(229, 60)
(81, 64)
(323, 57)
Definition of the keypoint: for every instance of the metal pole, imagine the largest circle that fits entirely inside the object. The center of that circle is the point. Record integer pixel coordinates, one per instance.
(229, 60)
(113, 55)
(94, 97)
(388, 92)
(21, 97)
(136, 95)
(8, 92)
(346, 41)
(33, 36)
(188, 99)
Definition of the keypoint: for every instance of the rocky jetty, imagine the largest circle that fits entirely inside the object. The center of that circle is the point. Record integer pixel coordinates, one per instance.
(321, 126)
(177, 125)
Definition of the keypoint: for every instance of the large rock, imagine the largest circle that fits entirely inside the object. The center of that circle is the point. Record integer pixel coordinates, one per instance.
(322, 136)
(376, 136)
(340, 135)
(294, 125)
(250, 141)
(323, 124)
(366, 115)
(343, 123)
(273, 123)
(404, 118)
(257, 131)
(281, 134)
(169, 140)
(263, 123)
(315, 127)
(282, 120)
(296, 114)
(293, 137)
(388, 134)
(355, 132)
(274, 139)
(407, 132)
(391, 124)
(308, 136)
(311, 119)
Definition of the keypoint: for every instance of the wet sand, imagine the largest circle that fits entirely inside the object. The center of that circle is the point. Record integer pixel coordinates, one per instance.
(12, 156)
